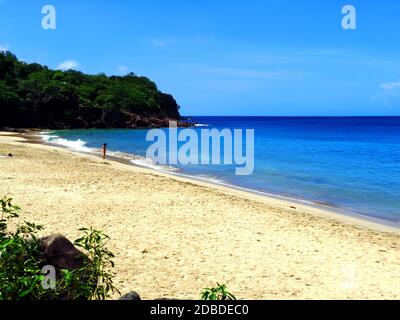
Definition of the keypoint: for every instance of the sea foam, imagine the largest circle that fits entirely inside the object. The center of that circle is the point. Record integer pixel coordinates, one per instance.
(77, 145)
(148, 163)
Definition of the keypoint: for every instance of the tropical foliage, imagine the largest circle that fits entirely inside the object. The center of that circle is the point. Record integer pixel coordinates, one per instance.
(32, 95)
(217, 293)
(21, 276)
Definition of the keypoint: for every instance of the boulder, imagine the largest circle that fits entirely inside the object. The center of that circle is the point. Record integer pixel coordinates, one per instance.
(58, 251)
(141, 122)
(131, 296)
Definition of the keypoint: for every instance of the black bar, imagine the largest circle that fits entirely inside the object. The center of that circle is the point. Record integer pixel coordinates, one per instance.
(182, 309)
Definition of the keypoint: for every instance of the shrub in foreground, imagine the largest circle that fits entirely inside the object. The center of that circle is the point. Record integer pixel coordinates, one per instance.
(217, 293)
(21, 276)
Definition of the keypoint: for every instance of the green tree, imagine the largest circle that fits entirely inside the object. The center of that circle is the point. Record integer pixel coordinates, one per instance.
(40, 97)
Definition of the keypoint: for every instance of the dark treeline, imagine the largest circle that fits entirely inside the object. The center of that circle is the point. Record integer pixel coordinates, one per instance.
(32, 95)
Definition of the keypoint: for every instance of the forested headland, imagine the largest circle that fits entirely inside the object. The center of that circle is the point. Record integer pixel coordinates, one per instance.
(35, 96)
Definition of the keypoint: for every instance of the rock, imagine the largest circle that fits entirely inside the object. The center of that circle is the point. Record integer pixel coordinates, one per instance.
(132, 296)
(141, 123)
(58, 251)
(94, 117)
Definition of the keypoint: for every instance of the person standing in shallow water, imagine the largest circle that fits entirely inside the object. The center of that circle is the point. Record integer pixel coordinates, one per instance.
(104, 149)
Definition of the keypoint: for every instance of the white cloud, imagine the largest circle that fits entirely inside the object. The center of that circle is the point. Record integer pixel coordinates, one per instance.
(4, 48)
(388, 95)
(68, 65)
(122, 69)
(390, 85)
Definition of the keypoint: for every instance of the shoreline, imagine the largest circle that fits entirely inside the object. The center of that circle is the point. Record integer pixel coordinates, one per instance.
(323, 210)
(173, 236)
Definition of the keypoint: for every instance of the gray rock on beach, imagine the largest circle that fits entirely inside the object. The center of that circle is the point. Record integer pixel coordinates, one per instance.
(58, 251)
(131, 296)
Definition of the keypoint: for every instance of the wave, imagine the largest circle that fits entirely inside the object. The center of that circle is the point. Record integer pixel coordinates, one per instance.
(77, 145)
(47, 136)
(148, 163)
(80, 145)
(121, 155)
(209, 178)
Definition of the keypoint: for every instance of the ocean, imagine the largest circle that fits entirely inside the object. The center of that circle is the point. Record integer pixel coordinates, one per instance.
(348, 163)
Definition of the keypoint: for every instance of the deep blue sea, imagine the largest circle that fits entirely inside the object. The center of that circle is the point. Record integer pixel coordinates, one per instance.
(349, 163)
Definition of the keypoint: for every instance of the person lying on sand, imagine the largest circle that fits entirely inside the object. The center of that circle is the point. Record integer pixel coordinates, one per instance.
(10, 155)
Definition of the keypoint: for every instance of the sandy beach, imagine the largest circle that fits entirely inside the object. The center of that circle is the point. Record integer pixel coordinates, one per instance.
(174, 236)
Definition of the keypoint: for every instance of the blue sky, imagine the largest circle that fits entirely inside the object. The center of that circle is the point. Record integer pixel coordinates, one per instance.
(254, 57)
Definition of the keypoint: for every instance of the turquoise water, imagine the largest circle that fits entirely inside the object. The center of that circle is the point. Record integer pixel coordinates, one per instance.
(348, 163)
